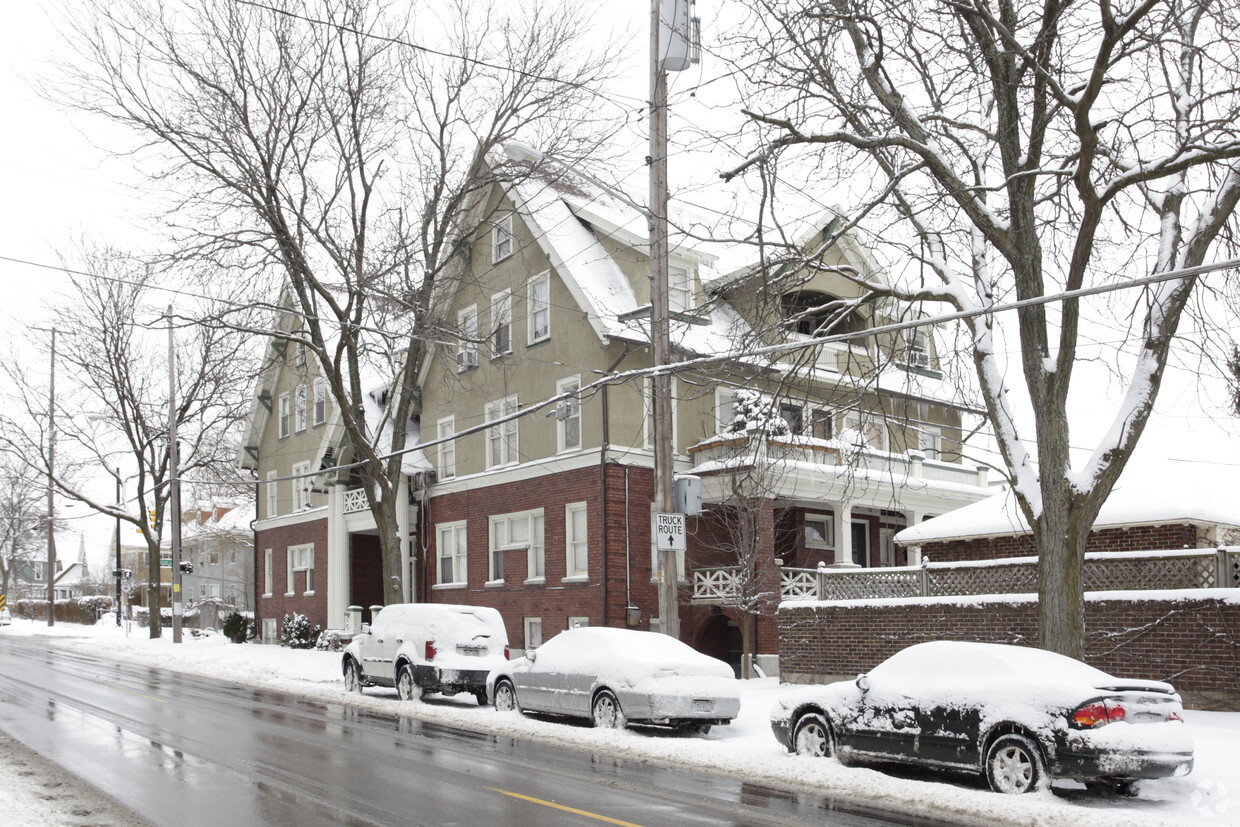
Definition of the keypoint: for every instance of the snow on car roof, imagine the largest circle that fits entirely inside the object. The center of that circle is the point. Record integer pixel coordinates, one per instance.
(628, 653)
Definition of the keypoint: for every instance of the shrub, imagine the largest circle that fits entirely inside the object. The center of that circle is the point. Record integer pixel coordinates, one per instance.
(329, 641)
(297, 633)
(236, 627)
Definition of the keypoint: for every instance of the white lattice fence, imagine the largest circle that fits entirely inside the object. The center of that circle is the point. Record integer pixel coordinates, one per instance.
(1114, 572)
(716, 584)
(861, 585)
(999, 579)
(798, 584)
(355, 500)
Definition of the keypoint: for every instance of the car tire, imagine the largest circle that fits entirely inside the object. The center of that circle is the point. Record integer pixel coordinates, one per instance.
(506, 697)
(812, 736)
(1014, 765)
(481, 696)
(353, 676)
(406, 687)
(605, 710)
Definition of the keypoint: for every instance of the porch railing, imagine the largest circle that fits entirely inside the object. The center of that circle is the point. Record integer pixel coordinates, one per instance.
(355, 500)
(1103, 571)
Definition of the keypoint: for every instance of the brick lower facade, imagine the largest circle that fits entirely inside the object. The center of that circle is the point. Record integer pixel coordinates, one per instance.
(1192, 642)
(279, 598)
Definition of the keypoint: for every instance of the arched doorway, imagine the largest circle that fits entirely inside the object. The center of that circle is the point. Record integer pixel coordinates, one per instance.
(720, 638)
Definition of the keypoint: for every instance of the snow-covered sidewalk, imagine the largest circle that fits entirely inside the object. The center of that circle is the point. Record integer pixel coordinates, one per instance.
(744, 750)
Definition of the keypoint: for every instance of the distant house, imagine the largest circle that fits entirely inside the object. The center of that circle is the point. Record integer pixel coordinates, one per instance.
(218, 542)
(1177, 507)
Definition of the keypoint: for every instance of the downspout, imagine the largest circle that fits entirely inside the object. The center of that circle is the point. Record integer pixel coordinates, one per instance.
(602, 483)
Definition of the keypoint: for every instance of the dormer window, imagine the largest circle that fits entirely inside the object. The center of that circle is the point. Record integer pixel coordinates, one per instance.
(812, 313)
(678, 291)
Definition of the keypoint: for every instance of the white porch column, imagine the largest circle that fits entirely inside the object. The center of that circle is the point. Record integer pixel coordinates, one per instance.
(913, 553)
(843, 534)
(338, 585)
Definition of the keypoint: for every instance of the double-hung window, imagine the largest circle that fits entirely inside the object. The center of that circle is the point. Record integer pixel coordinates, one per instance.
(467, 325)
(273, 495)
(819, 531)
(284, 415)
(501, 324)
(677, 289)
(725, 409)
(268, 573)
(301, 485)
(821, 423)
(576, 541)
(501, 239)
(568, 415)
(930, 441)
(446, 429)
(518, 532)
(301, 562)
(539, 301)
(451, 550)
(299, 409)
(502, 443)
(320, 400)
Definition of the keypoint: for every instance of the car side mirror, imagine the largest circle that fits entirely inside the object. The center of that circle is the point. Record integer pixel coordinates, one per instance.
(531, 655)
(863, 683)
(365, 628)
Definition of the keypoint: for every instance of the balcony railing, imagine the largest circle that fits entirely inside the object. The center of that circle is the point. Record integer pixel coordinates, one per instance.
(1103, 571)
(355, 500)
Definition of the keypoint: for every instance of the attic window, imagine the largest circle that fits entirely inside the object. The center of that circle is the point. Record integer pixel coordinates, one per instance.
(501, 239)
(812, 313)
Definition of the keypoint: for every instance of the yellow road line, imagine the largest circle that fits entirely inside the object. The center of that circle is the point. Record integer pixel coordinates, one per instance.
(572, 810)
(140, 695)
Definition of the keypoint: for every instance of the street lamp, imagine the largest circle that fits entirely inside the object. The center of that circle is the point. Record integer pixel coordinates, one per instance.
(656, 221)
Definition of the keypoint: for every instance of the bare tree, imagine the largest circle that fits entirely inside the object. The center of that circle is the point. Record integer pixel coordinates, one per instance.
(23, 519)
(112, 399)
(1011, 151)
(325, 146)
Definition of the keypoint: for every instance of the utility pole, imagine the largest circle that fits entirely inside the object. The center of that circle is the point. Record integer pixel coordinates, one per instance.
(669, 599)
(51, 490)
(174, 495)
(120, 499)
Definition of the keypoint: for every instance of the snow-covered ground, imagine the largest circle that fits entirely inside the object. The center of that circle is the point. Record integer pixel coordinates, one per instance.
(745, 750)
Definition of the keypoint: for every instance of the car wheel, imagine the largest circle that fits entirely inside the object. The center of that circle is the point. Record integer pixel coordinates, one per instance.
(606, 711)
(352, 676)
(505, 697)
(1014, 765)
(406, 687)
(812, 736)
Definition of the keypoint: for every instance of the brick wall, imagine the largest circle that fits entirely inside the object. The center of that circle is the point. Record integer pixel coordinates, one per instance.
(602, 597)
(1191, 642)
(1135, 538)
(279, 604)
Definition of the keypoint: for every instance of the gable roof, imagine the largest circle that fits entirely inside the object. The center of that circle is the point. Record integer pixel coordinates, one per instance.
(1150, 495)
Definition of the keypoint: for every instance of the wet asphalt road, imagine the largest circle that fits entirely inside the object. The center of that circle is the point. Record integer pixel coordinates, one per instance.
(184, 750)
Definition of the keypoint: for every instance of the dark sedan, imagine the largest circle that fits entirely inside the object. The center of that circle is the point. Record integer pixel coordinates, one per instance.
(1017, 715)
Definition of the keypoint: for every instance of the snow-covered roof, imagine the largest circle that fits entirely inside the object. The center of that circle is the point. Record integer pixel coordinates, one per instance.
(380, 423)
(1149, 495)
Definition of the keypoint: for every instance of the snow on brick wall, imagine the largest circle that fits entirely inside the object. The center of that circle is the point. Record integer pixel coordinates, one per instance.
(1135, 538)
(1190, 642)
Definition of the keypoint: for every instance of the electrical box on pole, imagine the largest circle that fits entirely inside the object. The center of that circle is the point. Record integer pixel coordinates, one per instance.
(679, 35)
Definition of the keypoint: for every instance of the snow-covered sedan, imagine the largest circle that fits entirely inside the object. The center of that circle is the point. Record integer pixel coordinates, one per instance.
(619, 676)
(1017, 715)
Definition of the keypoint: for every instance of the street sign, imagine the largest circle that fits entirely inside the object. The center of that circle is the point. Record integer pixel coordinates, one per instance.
(669, 531)
(165, 562)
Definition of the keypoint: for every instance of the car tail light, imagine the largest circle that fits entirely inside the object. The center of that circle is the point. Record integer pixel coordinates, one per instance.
(1175, 716)
(430, 650)
(506, 655)
(1099, 713)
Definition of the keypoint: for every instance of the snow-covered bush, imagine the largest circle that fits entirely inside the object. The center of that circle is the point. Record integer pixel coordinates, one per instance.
(297, 633)
(754, 413)
(329, 641)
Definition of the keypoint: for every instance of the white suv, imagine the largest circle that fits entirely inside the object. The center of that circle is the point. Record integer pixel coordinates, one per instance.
(427, 647)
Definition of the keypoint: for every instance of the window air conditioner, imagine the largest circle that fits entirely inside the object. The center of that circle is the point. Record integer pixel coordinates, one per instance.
(466, 359)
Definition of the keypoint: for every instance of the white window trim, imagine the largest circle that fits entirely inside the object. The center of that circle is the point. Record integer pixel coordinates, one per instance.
(284, 415)
(301, 486)
(571, 383)
(528, 622)
(725, 409)
(467, 350)
(578, 622)
(534, 551)
(532, 312)
(506, 434)
(459, 558)
(679, 288)
(935, 433)
(291, 555)
(501, 315)
(572, 573)
(444, 428)
(320, 400)
(299, 409)
(273, 495)
(829, 543)
(501, 233)
(269, 571)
